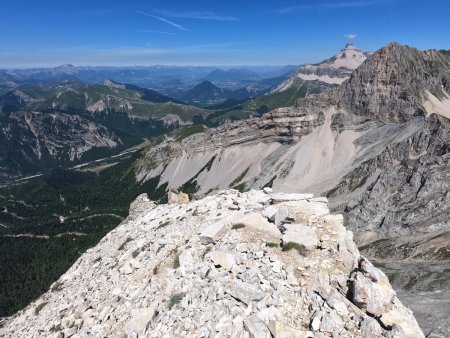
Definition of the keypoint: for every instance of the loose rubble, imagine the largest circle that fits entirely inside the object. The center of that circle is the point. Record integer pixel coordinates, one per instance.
(187, 270)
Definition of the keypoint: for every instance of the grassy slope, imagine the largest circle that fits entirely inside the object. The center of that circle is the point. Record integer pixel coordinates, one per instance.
(258, 105)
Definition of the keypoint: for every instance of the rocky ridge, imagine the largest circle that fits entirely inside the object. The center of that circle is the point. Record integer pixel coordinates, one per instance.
(221, 266)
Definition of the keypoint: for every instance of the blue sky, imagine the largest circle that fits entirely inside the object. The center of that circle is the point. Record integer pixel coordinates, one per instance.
(210, 32)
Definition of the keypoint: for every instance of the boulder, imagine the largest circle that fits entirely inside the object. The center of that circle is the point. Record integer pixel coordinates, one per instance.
(259, 222)
(370, 288)
(404, 321)
(175, 197)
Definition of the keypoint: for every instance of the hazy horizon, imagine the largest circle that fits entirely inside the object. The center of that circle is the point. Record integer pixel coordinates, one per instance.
(205, 33)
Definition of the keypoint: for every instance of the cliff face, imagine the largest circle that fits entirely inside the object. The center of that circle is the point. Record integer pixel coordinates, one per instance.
(256, 264)
(395, 84)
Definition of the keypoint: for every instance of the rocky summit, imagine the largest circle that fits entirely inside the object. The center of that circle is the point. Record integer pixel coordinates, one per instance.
(255, 264)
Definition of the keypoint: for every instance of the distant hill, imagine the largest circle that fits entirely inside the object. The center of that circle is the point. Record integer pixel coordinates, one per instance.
(47, 125)
(206, 94)
(232, 75)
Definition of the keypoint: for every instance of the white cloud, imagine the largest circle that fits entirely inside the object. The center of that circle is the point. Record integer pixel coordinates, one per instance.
(332, 5)
(201, 15)
(350, 36)
(171, 23)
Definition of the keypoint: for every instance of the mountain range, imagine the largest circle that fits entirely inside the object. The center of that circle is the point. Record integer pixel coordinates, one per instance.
(369, 132)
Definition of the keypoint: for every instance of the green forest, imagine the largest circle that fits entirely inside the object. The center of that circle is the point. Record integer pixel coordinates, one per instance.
(36, 247)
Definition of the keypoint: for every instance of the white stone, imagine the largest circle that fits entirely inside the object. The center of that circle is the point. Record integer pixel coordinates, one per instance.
(256, 327)
(281, 330)
(225, 259)
(258, 222)
(315, 323)
(139, 320)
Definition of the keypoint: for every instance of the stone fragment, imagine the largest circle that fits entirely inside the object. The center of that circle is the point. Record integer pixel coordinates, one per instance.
(139, 320)
(281, 330)
(331, 322)
(280, 216)
(69, 332)
(270, 212)
(243, 292)
(338, 305)
(225, 259)
(136, 264)
(370, 327)
(282, 197)
(187, 260)
(315, 323)
(256, 327)
(268, 190)
(213, 232)
(126, 269)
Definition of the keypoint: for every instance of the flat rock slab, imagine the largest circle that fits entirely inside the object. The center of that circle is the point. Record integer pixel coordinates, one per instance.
(259, 222)
(139, 320)
(256, 327)
(308, 207)
(281, 330)
(300, 234)
(217, 229)
(243, 292)
(281, 197)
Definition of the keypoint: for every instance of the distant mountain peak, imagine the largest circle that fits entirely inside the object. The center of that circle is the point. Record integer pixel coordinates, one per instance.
(332, 71)
(112, 84)
(349, 46)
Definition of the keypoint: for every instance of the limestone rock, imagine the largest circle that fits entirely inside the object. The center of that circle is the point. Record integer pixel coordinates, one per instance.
(281, 330)
(300, 234)
(243, 292)
(140, 318)
(259, 222)
(256, 328)
(370, 288)
(224, 259)
(175, 197)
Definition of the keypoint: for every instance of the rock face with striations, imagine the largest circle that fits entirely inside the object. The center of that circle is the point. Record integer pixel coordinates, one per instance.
(218, 267)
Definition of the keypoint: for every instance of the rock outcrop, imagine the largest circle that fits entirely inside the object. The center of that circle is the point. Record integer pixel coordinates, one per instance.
(220, 267)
